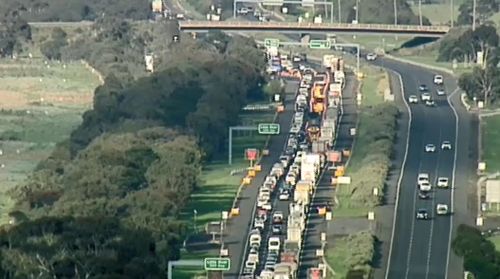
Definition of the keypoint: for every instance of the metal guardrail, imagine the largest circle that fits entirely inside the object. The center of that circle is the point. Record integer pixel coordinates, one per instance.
(186, 25)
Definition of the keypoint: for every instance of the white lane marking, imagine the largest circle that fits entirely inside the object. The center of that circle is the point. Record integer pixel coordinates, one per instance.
(412, 232)
(400, 179)
(436, 175)
(453, 178)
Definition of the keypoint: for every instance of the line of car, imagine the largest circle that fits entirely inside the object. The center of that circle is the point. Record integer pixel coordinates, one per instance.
(267, 234)
(425, 95)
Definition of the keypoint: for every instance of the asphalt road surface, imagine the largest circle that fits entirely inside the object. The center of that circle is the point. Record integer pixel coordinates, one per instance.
(324, 191)
(238, 228)
(420, 248)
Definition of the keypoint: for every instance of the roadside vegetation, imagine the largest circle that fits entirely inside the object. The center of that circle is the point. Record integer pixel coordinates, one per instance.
(370, 161)
(108, 199)
(479, 253)
(351, 256)
(491, 143)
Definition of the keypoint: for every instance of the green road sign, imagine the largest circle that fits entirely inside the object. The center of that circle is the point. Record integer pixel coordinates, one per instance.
(217, 264)
(320, 44)
(269, 128)
(272, 42)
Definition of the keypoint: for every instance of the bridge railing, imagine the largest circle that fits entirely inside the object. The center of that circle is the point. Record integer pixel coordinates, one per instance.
(306, 25)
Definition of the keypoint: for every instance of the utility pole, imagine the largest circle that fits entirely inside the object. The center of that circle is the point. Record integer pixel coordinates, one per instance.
(474, 15)
(340, 12)
(452, 13)
(395, 12)
(357, 11)
(420, 11)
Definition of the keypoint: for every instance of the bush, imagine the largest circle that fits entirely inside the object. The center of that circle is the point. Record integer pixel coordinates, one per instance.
(376, 131)
(480, 256)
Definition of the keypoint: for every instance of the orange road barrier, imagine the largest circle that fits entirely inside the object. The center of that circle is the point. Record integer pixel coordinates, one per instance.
(257, 168)
(280, 108)
(247, 180)
(235, 212)
(346, 152)
(265, 152)
(251, 173)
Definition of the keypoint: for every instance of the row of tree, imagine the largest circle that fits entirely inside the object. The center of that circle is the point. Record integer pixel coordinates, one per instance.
(106, 203)
(75, 10)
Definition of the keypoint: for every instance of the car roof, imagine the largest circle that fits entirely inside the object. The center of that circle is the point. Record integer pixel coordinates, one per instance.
(422, 210)
(443, 178)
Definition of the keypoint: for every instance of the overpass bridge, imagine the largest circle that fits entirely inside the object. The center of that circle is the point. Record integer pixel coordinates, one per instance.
(305, 27)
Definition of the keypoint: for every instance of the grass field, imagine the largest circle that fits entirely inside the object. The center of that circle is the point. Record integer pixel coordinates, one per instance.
(40, 105)
(496, 241)
(372, 88)
(491, 143)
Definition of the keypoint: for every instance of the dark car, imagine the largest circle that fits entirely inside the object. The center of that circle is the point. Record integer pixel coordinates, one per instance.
(422, 214)
(423, 195)
(277, 229)
(423, 87)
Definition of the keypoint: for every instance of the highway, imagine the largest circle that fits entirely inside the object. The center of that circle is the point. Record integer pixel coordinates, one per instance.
(324, 191)
(237, 230)
(420, 248)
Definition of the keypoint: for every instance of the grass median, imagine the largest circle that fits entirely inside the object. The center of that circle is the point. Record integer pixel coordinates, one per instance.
(370, 159)
(491, 143)
(351, 256)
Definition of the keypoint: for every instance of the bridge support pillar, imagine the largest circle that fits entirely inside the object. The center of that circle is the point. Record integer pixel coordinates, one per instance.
(305, 38)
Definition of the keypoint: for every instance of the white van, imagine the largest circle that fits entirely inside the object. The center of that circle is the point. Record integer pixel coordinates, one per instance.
(255, 238)
(274, 243)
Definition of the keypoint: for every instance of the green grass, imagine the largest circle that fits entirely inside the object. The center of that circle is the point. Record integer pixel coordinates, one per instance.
(190, 272)
(41, 104)
(354, 250)
(438, 14)
(336, 256)
(218, 187)
(373, 86)
(496, 241)
(491, 143)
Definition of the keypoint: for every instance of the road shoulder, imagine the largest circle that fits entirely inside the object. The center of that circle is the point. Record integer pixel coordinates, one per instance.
(385, 212)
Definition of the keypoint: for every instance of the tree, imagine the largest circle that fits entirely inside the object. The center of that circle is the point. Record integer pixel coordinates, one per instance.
(484, 9)
(482, 84)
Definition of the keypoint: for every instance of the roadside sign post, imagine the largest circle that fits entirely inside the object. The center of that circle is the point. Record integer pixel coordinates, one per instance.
(217, 264)
(320, 44)
(271, 42)
(269, 128)
(251, 154)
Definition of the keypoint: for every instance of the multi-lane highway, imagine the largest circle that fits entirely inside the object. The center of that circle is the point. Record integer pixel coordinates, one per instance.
(324, 192)
(236, 233)
(420, 248)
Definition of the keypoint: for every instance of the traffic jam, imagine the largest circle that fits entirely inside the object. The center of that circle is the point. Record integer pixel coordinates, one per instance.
(276, 236)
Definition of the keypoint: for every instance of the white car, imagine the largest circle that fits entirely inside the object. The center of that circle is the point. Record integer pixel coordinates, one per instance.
(446, 145)
(267, 206)
(425, 187)
(438, 79)
(442, 182)
(440, 92)
(259, 223)
(284, 196)
(430, 147)
(425, 96)
(442, 209)
(422, 214)
(371, 56)
(430, 103)
(413, 99)
(422, 178)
